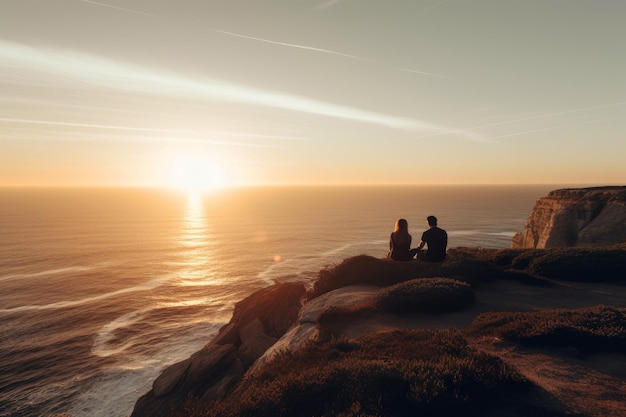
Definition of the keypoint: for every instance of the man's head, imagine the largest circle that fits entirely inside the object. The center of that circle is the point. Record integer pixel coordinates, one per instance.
(432, 221)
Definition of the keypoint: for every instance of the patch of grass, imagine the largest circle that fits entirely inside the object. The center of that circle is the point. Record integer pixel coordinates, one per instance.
(597, 329)
(476, 265)
(426, 295)
(364, 269)
(599, 265)
(396, 374)
(420, 295)
(502, 258)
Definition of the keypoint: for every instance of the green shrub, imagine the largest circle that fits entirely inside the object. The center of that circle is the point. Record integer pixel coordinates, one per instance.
(470, 270)
(601, 264)
(475, 265)
(365, 269)
(526, 258)
(498, 257)
(590, 329)
(597, 265)
(504, 257)
(426, 295)
(429, 295)
(401, 373)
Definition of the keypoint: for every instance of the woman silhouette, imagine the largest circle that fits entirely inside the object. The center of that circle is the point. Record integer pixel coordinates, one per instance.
(400, 242)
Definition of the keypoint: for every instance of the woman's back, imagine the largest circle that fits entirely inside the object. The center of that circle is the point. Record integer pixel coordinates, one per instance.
(400, 242)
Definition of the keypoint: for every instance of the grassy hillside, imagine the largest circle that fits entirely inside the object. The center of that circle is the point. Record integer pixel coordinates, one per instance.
(432, 372)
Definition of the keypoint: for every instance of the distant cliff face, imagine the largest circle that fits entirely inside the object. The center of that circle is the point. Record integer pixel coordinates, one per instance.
(576, 217)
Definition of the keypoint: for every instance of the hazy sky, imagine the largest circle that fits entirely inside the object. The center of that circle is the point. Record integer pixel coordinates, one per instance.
(134, 92)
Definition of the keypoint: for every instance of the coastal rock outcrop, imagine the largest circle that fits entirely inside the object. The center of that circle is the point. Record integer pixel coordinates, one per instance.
(257, 323)
(576, 217)
(363, 333)
(306, 328)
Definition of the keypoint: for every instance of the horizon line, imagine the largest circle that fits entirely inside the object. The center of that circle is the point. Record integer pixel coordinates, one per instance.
(307, 185)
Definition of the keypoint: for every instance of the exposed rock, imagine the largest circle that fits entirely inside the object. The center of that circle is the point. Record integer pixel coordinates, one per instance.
(193, 376)
(277, 307)
(209, 361)
(221, 388)
(576, 218)
(228, 334)
(306, 328)
(166, 382)
(346, 296)
(254, 341)
(257, 323)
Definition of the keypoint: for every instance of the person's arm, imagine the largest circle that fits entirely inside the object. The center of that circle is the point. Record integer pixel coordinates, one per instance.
(422, 242)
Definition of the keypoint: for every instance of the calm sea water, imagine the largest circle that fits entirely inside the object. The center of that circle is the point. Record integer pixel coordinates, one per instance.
(100, 289)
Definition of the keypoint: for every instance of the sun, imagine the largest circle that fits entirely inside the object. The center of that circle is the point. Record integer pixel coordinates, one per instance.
(196, 174)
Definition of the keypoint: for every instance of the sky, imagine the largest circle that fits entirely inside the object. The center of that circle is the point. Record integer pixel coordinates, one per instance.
(218, 93)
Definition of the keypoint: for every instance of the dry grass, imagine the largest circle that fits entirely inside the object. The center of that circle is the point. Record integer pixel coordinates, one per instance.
(420, 295)
(597, 329)
(401, 373)
(364, 269)
(476, 265)
(602, 264)
(426, 295)
(431, 373)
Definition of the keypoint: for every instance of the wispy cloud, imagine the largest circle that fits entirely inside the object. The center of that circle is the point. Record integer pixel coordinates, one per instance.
(425, 73)
(118, 8)
(328, 4)
(259, 136)
(462, 133)
(526, 132)
(428, 9)
(287, 44)
(547, 115)
(117, 133)
(468, 132)
(290, 45)
(72, 69)
(321, 50)
(88, 125)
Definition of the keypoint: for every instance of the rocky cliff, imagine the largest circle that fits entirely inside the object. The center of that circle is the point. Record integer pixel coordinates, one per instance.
(282, 319)
(257, 323)
(259, 364)
(576, 217)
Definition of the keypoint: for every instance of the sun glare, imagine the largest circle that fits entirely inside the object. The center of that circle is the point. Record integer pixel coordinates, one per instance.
(196, 174)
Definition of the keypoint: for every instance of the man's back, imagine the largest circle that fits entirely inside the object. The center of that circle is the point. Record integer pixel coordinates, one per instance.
(437, 241)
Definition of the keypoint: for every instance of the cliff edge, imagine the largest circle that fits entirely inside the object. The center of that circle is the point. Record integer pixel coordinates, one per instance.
(486, 333)
(383, 338)
(257, 323)
(576, 217)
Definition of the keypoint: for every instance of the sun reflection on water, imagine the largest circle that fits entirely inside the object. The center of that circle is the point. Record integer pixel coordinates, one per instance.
(195, 222)
(196, 240)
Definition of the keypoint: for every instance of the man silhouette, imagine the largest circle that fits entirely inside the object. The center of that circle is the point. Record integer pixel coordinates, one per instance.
(437, 241)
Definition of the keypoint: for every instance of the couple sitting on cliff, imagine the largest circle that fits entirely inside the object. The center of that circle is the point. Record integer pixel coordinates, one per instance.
(434, 238)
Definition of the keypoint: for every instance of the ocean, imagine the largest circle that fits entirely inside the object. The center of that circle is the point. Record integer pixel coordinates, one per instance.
(100, 289)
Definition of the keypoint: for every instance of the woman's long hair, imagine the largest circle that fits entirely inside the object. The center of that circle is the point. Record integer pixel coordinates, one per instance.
(401, 233)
